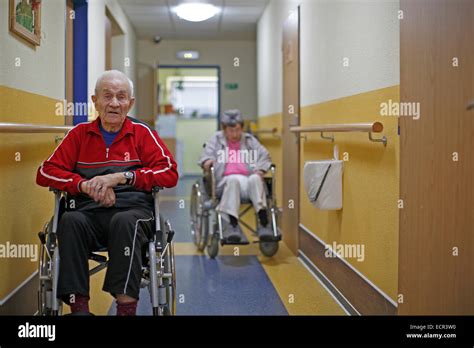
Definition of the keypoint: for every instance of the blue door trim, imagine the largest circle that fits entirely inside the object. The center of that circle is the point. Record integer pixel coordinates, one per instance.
(80, 59)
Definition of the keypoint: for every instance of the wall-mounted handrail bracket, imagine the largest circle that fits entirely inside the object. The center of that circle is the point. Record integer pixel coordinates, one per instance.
(326, 137)
(272, 131)
(378, 140)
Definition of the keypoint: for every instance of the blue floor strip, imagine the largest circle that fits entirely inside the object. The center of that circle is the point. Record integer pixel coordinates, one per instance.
(228, 285)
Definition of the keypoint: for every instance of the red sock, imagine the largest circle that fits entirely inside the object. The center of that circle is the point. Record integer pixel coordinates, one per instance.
(129, 308)
(79, 303)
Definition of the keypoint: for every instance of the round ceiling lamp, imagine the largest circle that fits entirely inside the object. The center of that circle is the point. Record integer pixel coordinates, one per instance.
(196, 12)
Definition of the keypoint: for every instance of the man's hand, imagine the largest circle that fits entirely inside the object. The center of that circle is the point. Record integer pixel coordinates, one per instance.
(109, 195)
(109, 199)
(208, 164)
(97, 187)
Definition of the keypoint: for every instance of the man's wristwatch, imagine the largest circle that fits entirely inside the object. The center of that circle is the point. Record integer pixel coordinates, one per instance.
(129, 176)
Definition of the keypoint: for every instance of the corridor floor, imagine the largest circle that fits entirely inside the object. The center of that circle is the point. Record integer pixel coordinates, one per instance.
(247, 284)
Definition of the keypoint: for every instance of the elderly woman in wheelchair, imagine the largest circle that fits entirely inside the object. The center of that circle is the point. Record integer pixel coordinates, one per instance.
(234, 165)
(106, 170)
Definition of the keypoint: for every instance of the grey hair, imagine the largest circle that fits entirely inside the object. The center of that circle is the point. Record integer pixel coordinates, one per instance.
(114, 74)
(231, 118)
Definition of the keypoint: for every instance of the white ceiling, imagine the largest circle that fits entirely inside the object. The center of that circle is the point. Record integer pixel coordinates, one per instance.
(237, 19)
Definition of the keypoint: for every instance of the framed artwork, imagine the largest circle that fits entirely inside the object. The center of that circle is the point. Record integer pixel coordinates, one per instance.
(25, 19)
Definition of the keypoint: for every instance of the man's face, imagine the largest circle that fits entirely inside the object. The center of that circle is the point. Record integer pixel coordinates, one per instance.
(113, 102)
(233, 133)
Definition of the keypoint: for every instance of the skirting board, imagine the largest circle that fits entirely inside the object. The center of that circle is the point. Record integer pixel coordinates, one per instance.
(359, 292)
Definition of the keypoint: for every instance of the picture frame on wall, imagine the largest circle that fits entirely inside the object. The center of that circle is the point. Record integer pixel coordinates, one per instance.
(25, 20)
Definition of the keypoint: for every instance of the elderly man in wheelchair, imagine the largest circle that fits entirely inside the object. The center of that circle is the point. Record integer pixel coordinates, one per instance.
(108, 170)
(235, 164)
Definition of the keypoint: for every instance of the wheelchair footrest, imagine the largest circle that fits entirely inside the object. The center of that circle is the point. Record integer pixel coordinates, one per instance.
(243, 241)
(269, 239)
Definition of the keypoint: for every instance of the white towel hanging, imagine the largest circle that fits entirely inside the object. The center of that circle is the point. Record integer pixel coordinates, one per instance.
(323, 182)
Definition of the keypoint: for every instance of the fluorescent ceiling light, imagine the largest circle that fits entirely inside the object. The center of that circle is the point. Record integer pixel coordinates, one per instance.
(196, 12)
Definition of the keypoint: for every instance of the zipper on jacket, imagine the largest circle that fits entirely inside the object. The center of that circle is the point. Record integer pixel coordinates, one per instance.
(107, 153)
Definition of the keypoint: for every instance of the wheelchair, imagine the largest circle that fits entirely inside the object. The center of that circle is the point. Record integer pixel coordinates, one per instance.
(158, 268)
(207, 225)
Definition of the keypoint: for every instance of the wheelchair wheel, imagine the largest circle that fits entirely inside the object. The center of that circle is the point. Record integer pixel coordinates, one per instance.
(170, 281)
(170, 309)
(268, 248)
(213, 247)
(45, 276)
(45, 285)
(198, 219)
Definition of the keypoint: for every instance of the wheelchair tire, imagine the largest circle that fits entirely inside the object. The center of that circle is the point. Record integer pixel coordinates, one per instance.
(268, 248)
(167, 311)
(43, 284)
(213, 247)
(198, 219)
(44, 294)
(45, 278)
(169, 267)
(170, 308)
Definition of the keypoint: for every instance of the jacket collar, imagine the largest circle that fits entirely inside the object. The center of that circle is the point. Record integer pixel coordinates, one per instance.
(127, 127)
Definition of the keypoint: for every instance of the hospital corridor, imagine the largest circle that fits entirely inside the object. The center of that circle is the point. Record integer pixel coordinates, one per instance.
(237, 159)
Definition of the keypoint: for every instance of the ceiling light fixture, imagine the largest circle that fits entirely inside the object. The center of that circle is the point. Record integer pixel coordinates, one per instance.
(196, 12)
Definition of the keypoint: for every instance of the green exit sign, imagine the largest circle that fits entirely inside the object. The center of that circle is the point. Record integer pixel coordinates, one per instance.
(232, 86)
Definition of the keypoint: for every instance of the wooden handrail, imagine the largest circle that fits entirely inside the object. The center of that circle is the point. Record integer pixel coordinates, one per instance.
(32, 128)
(375, 127)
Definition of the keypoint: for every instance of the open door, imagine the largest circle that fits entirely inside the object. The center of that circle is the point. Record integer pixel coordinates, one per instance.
(290, 141)
(436, 263)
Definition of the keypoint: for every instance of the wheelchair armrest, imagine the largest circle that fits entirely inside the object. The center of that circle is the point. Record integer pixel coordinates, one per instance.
(54, 190)
(271, 171)
(156, 189)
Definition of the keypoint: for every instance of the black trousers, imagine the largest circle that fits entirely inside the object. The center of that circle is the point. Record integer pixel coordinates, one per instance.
(123, 231)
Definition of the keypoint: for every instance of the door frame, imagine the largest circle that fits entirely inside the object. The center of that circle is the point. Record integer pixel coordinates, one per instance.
(291, 144)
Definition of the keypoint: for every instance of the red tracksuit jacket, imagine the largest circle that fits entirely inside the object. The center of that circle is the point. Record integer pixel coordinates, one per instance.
(83, 155)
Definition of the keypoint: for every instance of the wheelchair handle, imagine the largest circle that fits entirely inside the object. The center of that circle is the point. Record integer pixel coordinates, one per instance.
(156, 189)
(170, 236)
(273, 170)
(170, 232)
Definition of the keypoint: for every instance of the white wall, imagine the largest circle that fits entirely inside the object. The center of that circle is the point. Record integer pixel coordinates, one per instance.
(365, 31)
(126, 47)
(214, 52)
(42, 69)
(269, 56)
(95, 43)
(123, 46)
